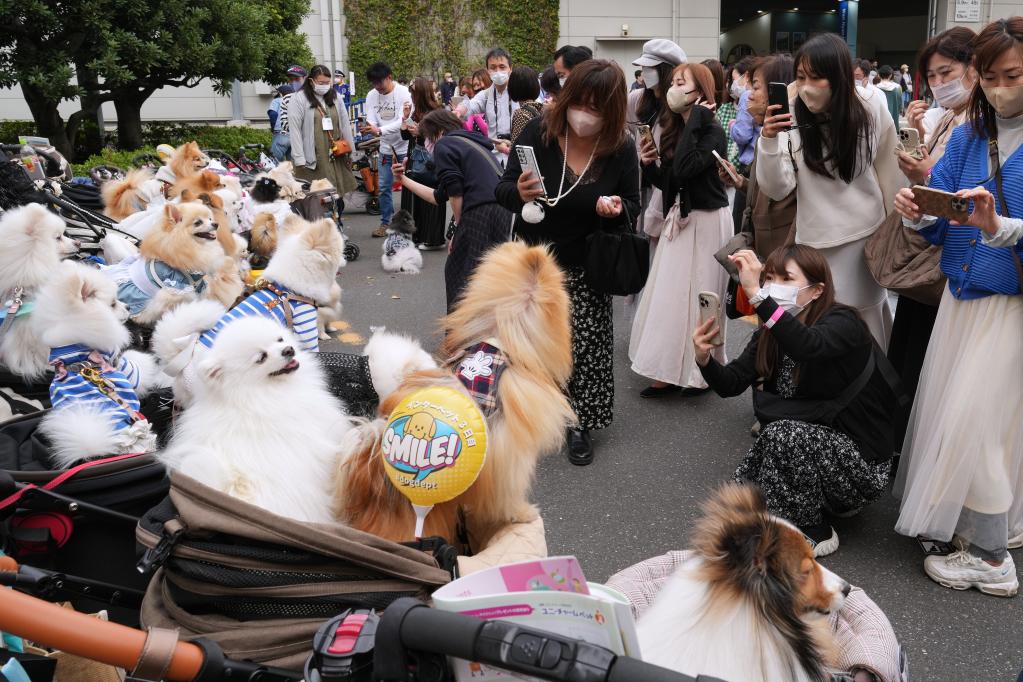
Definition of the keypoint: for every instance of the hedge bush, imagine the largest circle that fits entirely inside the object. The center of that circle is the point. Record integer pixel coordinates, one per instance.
(227, 138)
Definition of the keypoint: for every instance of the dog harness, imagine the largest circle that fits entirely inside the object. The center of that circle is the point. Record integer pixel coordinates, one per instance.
(139, 280)
(83, 376)
(396, 242)
(15, 306)
(274, 301)
(479, 369)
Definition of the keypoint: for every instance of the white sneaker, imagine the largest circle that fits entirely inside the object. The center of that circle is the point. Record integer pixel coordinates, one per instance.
(962, 570)
(823, 547)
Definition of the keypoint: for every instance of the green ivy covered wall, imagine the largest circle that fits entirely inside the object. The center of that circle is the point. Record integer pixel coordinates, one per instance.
(428, 37)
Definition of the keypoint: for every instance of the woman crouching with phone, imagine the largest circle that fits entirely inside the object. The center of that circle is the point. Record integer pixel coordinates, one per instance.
(696, 223)
(812, 361)
(961, 474)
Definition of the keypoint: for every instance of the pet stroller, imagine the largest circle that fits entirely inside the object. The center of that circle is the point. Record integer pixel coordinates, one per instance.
(366, 166)
(261, 164)
(323, 204)
(223, 163)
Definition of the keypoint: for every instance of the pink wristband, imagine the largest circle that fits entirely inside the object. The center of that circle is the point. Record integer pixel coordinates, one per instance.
(775, 316)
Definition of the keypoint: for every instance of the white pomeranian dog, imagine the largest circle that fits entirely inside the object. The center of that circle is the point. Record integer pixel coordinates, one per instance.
(32, 244)
(96, 388)
(391, 358)
(400, 254)
(263, 427)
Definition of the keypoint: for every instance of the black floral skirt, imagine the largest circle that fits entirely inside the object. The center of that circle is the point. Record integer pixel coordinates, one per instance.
(591, 387)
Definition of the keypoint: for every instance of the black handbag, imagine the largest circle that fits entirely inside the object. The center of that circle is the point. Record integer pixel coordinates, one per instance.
(617, 263)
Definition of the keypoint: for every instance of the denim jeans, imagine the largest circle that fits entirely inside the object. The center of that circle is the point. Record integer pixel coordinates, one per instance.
(280, 147)
(386, 181)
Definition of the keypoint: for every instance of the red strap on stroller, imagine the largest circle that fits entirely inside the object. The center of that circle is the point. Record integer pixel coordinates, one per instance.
(57, 480)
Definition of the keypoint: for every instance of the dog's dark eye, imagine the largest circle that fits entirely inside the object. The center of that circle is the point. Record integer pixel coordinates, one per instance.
(261, 358)
(280, 340)
(198, 223)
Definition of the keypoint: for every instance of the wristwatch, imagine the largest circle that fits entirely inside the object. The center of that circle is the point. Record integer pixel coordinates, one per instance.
(758, 298)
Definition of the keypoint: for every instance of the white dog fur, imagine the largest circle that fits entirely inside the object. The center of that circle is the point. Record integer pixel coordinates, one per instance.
(32, 244)
(392, 357)
(268, 438)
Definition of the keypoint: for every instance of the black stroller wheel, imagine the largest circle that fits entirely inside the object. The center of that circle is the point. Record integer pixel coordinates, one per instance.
(351, 251)
(373, 206)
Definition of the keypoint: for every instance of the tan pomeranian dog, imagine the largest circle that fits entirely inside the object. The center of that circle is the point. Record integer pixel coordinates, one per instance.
(188, 161)
(174, 260)
(204, 182)
(515, 310)
(140, 188)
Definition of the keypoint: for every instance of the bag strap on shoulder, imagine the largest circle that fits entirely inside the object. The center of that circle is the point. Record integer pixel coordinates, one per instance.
(992, 147)
(484, 152)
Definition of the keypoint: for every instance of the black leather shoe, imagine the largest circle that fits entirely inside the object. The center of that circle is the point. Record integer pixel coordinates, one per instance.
(580, 447)
(659, 391)
(693, 392)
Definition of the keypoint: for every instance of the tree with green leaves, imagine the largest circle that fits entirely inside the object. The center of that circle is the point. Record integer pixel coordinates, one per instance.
(125, 50)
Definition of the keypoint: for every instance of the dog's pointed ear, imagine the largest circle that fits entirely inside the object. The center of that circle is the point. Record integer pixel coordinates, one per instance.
(211, 371)
(86, 290)
(187, 195)
(172, 212)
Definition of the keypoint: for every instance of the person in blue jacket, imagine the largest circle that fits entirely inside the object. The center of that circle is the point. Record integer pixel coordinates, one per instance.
(961, 478)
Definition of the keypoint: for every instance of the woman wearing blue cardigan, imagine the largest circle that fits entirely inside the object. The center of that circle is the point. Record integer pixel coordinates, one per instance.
(961, 477)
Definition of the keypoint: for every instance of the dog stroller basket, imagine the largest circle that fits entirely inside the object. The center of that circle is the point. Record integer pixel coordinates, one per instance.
(260, 585)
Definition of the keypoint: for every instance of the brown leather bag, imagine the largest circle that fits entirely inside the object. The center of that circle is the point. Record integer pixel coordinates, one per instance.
(904, 262)
(338, 147)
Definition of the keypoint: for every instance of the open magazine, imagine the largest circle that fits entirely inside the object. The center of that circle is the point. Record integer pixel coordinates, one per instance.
(550, 594)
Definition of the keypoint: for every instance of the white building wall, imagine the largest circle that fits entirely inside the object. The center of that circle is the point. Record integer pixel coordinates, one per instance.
(202, 103)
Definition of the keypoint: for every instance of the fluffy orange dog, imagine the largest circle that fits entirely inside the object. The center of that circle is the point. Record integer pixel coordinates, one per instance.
(515, 303)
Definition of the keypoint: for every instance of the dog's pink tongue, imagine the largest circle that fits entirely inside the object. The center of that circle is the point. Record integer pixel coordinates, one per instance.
(292, 365)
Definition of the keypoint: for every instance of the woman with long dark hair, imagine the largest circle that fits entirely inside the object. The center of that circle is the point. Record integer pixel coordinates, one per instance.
(840, 160)
(312, 139)
(430, 219)
(961, 475)
(647, 107)
(697, 223)
(810, 348)
(590, 181)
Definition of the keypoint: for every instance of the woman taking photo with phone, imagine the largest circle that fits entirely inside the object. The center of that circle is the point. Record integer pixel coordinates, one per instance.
(840, 160)
(697, 222)
(430, 219)
(811, 352)
(590, 181)
(945, 61)
(961, 475)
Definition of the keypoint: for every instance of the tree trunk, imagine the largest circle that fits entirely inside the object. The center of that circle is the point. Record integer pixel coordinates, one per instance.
(89, 122)
(128, 102)
(47, 118)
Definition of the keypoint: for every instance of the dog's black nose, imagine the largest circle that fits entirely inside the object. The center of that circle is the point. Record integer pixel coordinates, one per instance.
(846, 589)
(215, 226)
(288, 352)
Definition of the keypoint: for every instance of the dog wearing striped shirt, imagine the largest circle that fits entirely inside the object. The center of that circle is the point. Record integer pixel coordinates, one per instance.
(96, 388)
(300, 276)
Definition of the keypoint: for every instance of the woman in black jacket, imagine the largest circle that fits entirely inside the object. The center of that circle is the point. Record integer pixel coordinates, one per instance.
(810, 351)
(696, 223)
(590, 180)
(430, 219)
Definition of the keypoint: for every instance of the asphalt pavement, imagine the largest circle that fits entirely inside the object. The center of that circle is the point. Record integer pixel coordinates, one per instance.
(661, 458)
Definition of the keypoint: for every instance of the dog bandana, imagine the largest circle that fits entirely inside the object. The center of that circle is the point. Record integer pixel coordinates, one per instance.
(70, 387)
(480, 371)
(265, 303)
(139, 280)
(395, 243)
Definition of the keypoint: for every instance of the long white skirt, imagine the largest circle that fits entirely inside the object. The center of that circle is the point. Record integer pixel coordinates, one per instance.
(856, 287)
(661, 346)
(964, 446)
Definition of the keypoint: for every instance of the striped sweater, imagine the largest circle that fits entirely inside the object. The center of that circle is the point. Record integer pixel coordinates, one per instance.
(69, 388)
(975, 269)
(265, 303)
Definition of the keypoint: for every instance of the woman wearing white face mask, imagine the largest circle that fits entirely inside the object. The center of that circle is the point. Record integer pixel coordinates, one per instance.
(841, 162)
(646, 106)
(590, 182)
(315, 122)
(945, 60)
(961, 474)
(697, 222)
(825, 405)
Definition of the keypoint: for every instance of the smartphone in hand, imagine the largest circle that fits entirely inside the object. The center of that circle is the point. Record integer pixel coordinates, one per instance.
(710, 308)
(527, 159)
(728, 169)
(935, 202)
(778, 93)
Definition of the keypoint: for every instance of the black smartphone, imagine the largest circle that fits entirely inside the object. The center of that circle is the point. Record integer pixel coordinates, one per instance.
(778, 93)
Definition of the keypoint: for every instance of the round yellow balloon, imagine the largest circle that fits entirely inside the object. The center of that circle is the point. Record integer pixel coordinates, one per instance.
(434, 445)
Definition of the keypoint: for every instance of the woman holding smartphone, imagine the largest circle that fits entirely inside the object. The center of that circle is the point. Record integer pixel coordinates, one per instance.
(590, 182)
(810, 348)
(961, 476)
(697, 222)
(840, 160)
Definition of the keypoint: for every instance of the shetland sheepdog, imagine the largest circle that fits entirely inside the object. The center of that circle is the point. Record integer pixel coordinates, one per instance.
(516, 302)
(751, 605)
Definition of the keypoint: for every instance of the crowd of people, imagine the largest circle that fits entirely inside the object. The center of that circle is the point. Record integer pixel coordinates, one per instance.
(781, 188)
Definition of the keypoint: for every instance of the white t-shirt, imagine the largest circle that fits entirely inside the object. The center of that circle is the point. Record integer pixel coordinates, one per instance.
(384, 111)
(496, 107)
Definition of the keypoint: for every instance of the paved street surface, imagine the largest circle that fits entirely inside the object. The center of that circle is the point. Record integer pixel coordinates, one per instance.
(661, 458)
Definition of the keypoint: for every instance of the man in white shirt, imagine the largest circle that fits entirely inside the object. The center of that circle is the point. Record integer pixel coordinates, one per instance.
(384, 105)
(494, 102)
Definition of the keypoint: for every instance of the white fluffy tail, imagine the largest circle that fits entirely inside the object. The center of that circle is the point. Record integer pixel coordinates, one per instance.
(408, 260)
(182, 322)
(391, 358)
(116, 248)
(77, 433)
